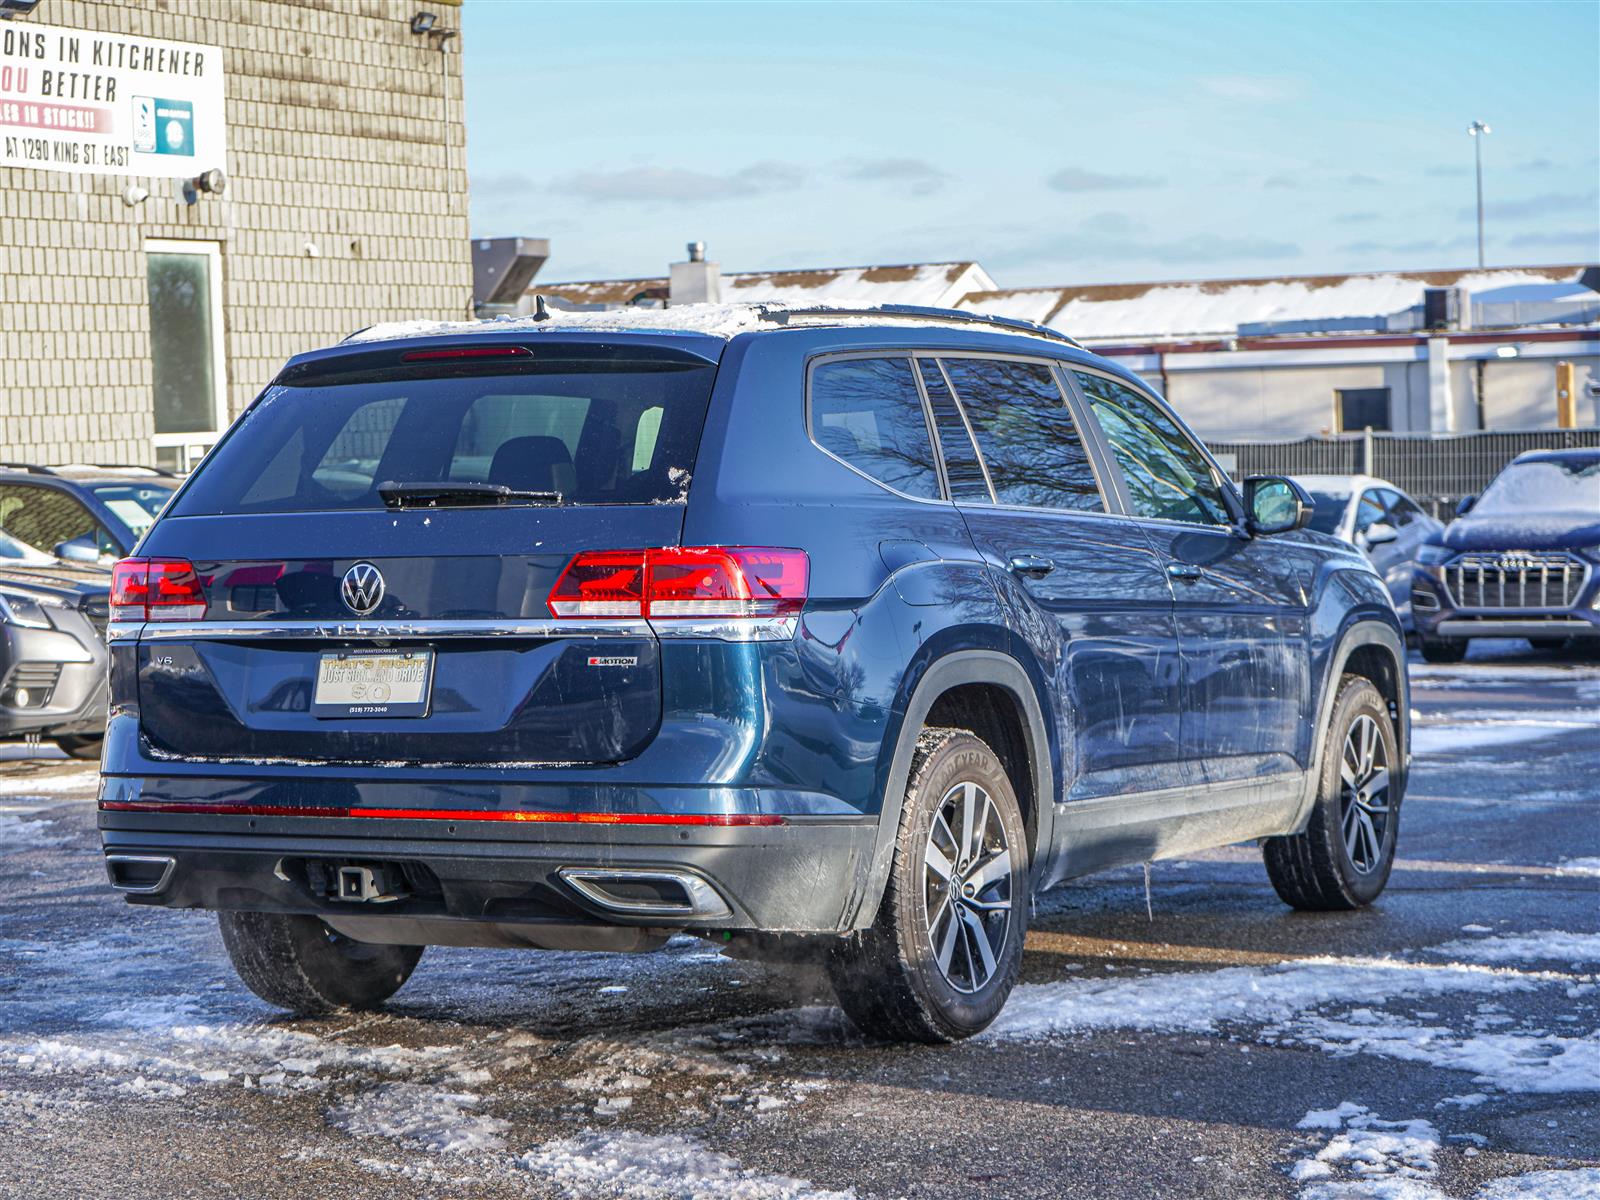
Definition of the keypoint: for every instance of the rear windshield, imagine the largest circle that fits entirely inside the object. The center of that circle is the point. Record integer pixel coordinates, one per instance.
(574, 431)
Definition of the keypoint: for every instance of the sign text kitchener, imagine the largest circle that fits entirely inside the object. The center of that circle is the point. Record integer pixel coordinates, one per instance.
(77, 100)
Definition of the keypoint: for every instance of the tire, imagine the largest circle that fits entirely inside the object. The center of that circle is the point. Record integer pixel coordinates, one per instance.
(80, 747)
(1442, 650)
(1323, 869)
(890, 979)
(298, 963)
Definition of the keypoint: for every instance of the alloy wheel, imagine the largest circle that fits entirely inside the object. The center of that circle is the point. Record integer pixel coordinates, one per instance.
(1364, 810)
(967, 887)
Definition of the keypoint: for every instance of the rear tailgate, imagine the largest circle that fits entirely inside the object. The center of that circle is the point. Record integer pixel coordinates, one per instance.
(346, 624)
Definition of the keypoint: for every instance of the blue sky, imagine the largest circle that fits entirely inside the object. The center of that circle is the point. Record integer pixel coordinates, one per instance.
(1055, 143)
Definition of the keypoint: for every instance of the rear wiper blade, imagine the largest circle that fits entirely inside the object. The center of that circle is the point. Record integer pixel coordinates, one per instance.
(459, 495)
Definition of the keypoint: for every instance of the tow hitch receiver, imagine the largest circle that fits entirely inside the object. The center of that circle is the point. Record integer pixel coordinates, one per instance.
(356, 883)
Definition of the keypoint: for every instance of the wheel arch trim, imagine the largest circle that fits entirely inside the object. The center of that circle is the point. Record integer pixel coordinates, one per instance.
(1358, 635)
(956, 669)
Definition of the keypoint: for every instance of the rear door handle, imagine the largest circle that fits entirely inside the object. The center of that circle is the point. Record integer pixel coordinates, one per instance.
(1033, 566)
(1183, 571)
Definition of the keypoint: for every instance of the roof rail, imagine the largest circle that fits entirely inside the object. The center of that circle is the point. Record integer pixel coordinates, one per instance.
(30, 468)
(917, 312)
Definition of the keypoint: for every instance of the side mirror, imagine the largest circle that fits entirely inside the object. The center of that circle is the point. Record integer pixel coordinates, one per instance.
(77, 550)
(1463, 508)
(1276, 504)
(1380, 533)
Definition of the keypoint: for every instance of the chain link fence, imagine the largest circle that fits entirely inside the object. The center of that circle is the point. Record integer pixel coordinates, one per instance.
(1436, 470)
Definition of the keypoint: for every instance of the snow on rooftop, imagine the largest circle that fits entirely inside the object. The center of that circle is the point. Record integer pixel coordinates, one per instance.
(1198, 308)
(716, 320)
(936, 285)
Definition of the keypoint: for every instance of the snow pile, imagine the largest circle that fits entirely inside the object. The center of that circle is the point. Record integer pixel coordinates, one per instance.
(639, 1166)
(716, 320)
(18, 834)
(1369, 1158)
(1366, 1148)
(1285, 1002)
(1488, 728)
(1545, 945)
(1580, 866)
(1201, 1001)
(436, 1121)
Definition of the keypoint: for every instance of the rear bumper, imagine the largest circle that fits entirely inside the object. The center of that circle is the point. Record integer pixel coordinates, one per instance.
(803, 875)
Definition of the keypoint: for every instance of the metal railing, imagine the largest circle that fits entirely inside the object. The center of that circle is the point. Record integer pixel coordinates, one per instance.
(1436, 470)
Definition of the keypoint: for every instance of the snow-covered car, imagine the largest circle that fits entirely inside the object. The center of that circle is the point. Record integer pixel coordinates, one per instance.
(1519, 562)
(52, 649)
(1378, 517)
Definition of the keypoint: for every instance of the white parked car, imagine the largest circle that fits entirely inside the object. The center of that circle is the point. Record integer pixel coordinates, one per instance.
(1379, 518)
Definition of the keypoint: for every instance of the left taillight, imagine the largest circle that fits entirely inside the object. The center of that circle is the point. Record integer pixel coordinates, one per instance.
(156, 589)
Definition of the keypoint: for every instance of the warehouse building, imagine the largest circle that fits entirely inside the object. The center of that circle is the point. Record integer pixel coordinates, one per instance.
(1292, 357)
(191, 193)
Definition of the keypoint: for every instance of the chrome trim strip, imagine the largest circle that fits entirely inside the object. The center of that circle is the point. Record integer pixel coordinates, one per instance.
(387, 630)
(723, 629)
(589, 882)
(169, 865)
(728, 629)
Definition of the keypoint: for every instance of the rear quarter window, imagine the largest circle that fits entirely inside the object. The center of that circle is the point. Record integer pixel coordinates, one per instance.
(868, 412)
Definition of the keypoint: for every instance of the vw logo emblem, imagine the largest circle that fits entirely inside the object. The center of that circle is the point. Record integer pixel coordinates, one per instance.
(362, 588)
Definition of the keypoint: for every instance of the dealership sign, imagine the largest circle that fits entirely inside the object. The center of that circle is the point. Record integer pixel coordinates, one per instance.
(105, 103)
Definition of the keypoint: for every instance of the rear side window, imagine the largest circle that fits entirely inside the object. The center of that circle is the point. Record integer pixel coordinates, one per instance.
(1025, 434)
(868, 412)
(592, 428)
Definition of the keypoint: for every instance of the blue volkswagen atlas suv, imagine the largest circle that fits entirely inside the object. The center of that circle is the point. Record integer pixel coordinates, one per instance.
(810, 632)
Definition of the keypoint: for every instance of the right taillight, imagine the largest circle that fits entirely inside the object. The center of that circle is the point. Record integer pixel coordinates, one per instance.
(683, 583)
(156, 589)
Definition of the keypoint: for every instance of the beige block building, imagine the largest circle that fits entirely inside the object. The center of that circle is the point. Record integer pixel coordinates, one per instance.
(139, 311)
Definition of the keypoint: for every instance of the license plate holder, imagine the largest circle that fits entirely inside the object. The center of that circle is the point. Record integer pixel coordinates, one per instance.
(373, 684)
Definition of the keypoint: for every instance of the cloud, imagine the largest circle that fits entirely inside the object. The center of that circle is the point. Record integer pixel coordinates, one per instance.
(507, 183)
(1585, 241)
(1077, 179)
(677, 185)
(915, 175)
(1257, 89)
(1281, 180)
(1422, 246)
(1536, 206)
(1110, 222)
(1449, 172)
(1359, 180)
(1357, 218)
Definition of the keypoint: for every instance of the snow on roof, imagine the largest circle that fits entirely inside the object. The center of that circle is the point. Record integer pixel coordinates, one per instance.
(716, 320)
(1218, 307)
(933, 285)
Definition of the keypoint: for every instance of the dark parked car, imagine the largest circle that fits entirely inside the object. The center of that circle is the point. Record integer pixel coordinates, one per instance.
(1379, 518)
(82, 513)
(52, 649)
(1519, 562)
(809, 633)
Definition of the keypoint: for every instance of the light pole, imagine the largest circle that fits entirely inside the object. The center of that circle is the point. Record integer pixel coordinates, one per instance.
(1476, 131)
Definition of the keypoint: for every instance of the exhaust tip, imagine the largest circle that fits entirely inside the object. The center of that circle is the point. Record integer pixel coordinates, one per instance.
(646, 893)
(141, 874)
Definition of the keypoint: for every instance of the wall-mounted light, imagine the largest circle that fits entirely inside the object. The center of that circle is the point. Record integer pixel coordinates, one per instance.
(212, 182)
(423, 22)
(134, 194)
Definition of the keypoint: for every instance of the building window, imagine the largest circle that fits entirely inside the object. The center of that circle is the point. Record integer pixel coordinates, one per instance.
(186, 345)
(1362, 408)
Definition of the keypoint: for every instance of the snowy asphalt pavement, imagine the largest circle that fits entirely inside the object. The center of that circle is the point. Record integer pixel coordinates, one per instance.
(1445, 1043)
